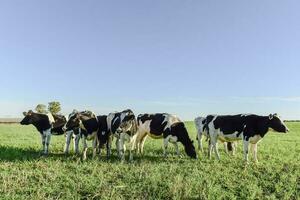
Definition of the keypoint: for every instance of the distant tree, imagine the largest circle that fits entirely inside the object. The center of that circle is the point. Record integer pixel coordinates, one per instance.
(41, 108)
(54, 107)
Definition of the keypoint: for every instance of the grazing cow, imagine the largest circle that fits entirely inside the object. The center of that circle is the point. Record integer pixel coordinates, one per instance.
(46, 124)
(123, 126)
(249, 128)
(88, 124)
(200, 123)
(166, 126)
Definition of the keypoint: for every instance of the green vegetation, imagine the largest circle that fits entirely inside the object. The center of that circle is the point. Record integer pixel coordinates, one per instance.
(24, 174)
(54, 107)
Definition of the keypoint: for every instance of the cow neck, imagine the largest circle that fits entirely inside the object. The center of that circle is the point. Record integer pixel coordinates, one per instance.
(264, 125)
(41, 124)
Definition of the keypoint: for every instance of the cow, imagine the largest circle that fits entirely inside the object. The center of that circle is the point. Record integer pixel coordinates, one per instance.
(166, 126)
(88, 122)
(200, 123)
(46, 124)
(250, 128)
(122, 126)
(103, 134)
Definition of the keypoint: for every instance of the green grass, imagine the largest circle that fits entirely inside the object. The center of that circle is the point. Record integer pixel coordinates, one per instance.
(24, 174)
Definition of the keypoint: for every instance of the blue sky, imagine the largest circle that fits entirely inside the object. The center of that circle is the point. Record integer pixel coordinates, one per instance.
(188, 57)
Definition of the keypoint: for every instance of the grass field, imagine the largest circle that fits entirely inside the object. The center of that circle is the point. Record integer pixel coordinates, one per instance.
(26, 175)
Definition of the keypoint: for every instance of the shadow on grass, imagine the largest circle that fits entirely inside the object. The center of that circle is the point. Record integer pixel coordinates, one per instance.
(16, 154)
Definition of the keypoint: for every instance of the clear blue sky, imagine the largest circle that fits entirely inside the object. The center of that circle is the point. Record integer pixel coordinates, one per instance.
(185, 57)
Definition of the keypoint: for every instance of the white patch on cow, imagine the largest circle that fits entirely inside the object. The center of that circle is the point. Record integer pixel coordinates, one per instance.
(229, 137)
(170, 119)
(81, 126)
(51, 118)
(255, 139)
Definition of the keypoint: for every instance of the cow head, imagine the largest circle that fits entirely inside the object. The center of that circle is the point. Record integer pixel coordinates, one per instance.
(73, 121)
(128, 124)
(180, 131)
(190, 149)
(29, 118)
(76, 118)
(277, 124)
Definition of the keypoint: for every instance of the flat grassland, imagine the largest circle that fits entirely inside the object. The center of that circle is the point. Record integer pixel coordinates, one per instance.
(24, 174)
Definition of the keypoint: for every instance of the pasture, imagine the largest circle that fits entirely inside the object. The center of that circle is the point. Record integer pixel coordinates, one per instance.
(24, 174)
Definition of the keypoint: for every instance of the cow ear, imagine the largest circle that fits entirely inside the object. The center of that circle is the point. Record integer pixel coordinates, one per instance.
(24, 113)
(271, 116)
(275, 115)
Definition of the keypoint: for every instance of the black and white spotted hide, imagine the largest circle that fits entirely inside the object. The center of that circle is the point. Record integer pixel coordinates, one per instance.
(88, 124)
(248, 128)
(166, 126)
(46, 124)
(122, 126)
(200, 123)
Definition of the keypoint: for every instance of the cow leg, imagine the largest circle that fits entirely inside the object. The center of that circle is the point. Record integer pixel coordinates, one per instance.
(118, 146)
(214, 146)
(226, 147)
(122, 147)
(143, 143)
(85, 147)
(43, 137)
(95, 144)
(246, 150)
(216, 150)
(210, 145)
(254, 150)
(200, 146)
(177, 148)
(68, 141)
(108, 146)
(165, 146)
(47, 134)
(76, 143)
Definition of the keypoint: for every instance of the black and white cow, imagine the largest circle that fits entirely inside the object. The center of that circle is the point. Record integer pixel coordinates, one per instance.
(88, 124)
(167, 126)
(103, 134)
(46, 124)
(249, 128)
(123, 126)
(200, 123)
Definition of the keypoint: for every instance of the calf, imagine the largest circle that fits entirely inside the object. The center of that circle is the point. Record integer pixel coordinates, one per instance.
(249, 128)
(166, 126)
(88, 124)
(46, 124)
(201, 126)
(123, 126)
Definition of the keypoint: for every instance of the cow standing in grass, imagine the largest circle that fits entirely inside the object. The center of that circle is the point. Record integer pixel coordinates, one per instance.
(88, 122)
(122, 126)
(46, 124)
(166, 126)
(201, 126)
(249, 128)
